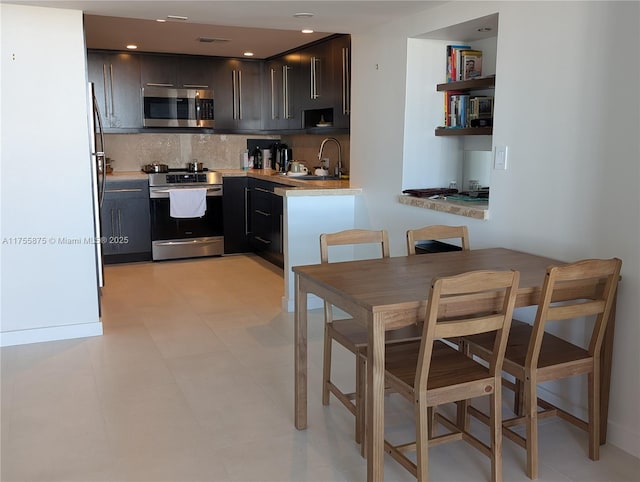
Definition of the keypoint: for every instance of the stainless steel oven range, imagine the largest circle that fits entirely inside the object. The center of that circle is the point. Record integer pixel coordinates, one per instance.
(191, 237)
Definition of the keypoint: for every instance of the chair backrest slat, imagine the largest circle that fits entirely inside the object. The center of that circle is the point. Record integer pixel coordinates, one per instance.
(353, 236)
(436, 232)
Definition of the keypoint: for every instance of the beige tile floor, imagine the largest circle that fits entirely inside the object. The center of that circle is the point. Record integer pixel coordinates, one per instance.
(193, 381)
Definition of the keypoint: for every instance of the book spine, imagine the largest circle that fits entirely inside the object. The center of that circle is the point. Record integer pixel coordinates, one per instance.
(453, 60)
(446, 109)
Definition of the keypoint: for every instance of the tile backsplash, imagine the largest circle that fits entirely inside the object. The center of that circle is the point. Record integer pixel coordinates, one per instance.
(129, 152)
(305, 149)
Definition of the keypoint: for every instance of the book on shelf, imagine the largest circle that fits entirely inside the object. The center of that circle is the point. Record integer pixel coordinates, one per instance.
(450, 105)
(470, 64)
(464, 110)
(453, 60)
(458, 111)
(481, 107)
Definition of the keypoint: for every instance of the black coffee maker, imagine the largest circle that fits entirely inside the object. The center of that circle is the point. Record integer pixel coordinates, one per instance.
(281, 156)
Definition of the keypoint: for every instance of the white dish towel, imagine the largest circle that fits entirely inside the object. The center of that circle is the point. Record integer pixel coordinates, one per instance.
(187, 203)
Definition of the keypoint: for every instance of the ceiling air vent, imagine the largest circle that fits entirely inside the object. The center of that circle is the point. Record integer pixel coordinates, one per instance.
(208, 40)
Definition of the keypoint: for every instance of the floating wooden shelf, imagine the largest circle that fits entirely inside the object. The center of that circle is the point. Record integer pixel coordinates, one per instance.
(464, 131)
(473, 84)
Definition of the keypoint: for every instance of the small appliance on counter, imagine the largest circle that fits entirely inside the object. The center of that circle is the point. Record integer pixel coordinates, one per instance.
(281, 156)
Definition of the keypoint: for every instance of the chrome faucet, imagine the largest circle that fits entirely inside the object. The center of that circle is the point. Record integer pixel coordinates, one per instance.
(333, 139)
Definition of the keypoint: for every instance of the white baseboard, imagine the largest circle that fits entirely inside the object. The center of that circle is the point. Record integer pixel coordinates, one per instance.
(50, 333)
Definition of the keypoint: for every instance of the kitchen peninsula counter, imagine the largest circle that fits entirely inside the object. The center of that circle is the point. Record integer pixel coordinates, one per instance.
(296, 187)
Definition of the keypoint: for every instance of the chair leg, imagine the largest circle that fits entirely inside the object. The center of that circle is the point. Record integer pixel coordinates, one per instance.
(326, 365)
(422, 440)
(362, 411)
(594, 412)
(495, 400)
(518, 398)
(462, 415)
(531, 423)
(431, 414)
(359, 401)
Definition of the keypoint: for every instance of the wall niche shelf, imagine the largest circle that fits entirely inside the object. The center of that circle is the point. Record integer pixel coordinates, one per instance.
(466, 85)
(464, 131)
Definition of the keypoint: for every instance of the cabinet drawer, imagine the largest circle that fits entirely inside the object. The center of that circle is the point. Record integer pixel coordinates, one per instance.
(126, 189)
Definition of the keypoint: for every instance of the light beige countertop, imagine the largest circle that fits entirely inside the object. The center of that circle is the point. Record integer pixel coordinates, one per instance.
(476, 210)
(291, 185)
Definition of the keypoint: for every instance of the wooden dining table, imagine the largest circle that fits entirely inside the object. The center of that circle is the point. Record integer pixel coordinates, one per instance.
(388, 293)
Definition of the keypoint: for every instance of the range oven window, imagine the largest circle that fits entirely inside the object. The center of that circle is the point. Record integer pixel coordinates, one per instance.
(164, 227)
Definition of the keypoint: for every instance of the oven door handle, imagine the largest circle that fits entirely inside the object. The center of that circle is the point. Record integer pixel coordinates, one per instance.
(188, 241)
(166, 191)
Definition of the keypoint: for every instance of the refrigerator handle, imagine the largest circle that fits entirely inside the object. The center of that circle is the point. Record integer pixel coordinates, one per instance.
(100, 157)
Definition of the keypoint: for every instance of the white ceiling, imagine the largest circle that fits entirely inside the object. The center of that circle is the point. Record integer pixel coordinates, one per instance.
(264, 27)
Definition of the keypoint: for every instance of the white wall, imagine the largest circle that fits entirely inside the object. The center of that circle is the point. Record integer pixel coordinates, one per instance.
(567, 108)
(49, 289)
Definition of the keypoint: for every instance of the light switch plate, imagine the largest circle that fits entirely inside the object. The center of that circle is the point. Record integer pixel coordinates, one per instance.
(500, 158)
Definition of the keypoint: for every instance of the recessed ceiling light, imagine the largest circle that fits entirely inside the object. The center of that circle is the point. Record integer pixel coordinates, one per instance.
(307, 30)
(177, 17)
(302, 15)
(132, 47)
(248, 54)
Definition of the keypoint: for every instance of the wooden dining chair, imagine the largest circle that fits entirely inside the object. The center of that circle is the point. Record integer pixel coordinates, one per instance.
(534, 355)
(351, 334)
(437, 232)
(432, 372)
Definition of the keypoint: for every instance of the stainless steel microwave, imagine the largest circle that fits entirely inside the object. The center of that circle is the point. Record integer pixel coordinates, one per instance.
(168, 107)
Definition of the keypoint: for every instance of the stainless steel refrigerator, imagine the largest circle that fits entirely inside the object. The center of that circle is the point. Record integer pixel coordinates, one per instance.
(98, 175)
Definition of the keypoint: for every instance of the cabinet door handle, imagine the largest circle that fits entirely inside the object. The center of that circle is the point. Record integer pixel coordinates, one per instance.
(246, 210)
(113, 110)
(234, 93)
(194, 86)
(240, 94)
(313, 77)
(261, 189)
(285, 92)
(273, 93)
(153, 84)
(263, 213)
(119, 223)
(346, 81)
(106, 90)
(113, 223)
